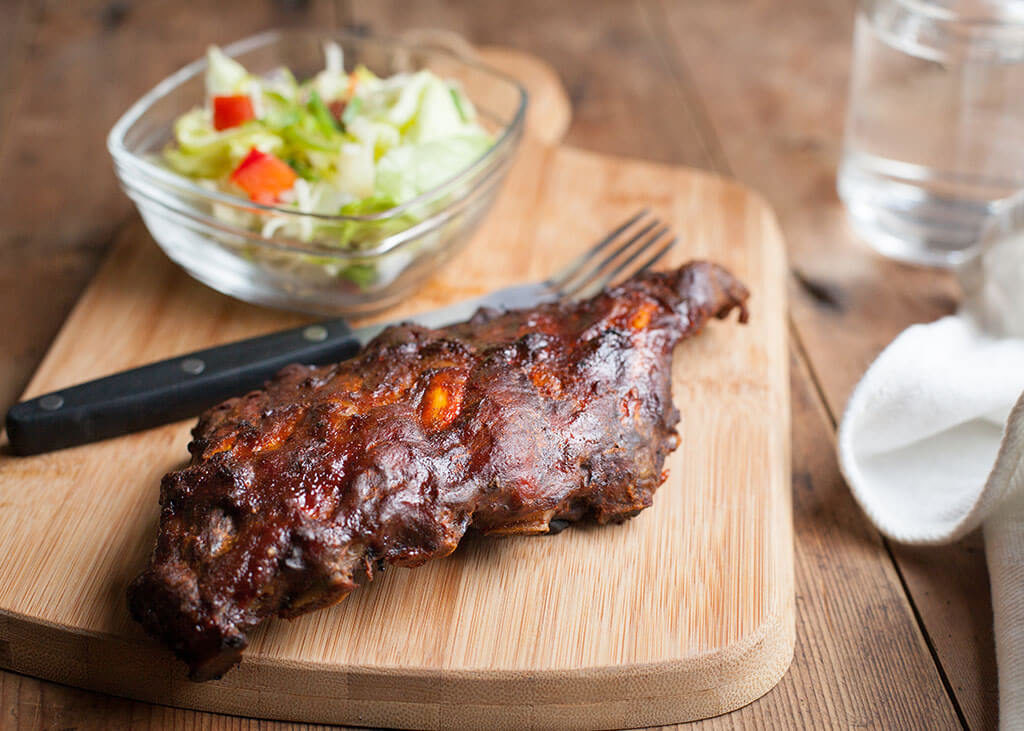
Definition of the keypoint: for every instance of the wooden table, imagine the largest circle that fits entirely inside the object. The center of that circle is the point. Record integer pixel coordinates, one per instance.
(887, 636)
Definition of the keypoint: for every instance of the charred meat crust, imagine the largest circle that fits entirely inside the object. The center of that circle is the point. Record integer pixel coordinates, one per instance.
(511, 423)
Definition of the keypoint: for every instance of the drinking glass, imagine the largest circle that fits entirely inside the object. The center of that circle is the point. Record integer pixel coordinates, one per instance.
(992, 280)
(935, 124)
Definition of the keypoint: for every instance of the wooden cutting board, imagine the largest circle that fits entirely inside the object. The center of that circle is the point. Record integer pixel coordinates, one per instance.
(683, 612)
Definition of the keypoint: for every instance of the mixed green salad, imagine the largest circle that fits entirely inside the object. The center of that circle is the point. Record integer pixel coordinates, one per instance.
(348, 143)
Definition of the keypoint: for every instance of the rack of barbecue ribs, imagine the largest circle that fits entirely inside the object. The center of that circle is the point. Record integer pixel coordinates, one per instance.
(514, 422)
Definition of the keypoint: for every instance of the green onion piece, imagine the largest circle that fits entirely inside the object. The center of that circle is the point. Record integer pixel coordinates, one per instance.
(457, 99)
(362, 275)
(352, 110)
(322, 115)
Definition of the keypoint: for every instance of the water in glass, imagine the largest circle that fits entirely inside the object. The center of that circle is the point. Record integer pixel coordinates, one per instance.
(935, 125)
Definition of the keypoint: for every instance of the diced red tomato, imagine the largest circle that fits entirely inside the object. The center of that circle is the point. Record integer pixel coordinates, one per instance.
(231, 111)
(263, 176)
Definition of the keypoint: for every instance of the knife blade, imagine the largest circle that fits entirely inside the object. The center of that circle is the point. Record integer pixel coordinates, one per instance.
(183, 386)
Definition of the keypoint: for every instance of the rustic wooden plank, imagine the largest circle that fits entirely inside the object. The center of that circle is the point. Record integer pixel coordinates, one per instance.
(781, 69)
(790, 86)
(16, 33)
(624, 102)
(950, 589)
(860, 660)
(607, 124)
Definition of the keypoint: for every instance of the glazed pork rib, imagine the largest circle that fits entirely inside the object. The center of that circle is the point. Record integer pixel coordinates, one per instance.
(511, 423)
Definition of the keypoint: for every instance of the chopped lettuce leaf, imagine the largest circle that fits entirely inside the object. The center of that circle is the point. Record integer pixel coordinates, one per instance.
(356, 174)
(280, 111)
(224, 75)
(396, 139)
(378, 136)
(402, 101)
(365, 78)
(407, 171)
(280, 81)
(332, 83)
(352, 110)
(203, 152)
(437, 117)
(334, 58)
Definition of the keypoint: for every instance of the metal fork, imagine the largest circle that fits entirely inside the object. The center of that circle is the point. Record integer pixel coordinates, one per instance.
(638, 244)
(183, 386)
(631, 247)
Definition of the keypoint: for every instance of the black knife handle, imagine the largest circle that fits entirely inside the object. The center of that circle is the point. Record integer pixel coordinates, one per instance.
(169, 390)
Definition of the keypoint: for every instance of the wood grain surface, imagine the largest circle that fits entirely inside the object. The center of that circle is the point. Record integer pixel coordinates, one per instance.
(689, 606)
(886, 636)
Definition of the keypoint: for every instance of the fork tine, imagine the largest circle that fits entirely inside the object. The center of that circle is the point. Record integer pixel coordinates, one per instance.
(595, 269)
(658, 254)
(559, 279)
(601, 272)
(606, 279)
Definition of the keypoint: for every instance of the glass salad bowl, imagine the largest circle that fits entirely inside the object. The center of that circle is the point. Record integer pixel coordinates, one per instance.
(273, 254)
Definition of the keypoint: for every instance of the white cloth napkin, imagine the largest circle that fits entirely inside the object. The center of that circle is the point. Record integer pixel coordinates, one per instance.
(932, 441)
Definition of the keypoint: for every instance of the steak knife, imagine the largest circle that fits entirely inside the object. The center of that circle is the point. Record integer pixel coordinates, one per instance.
(183, 386)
